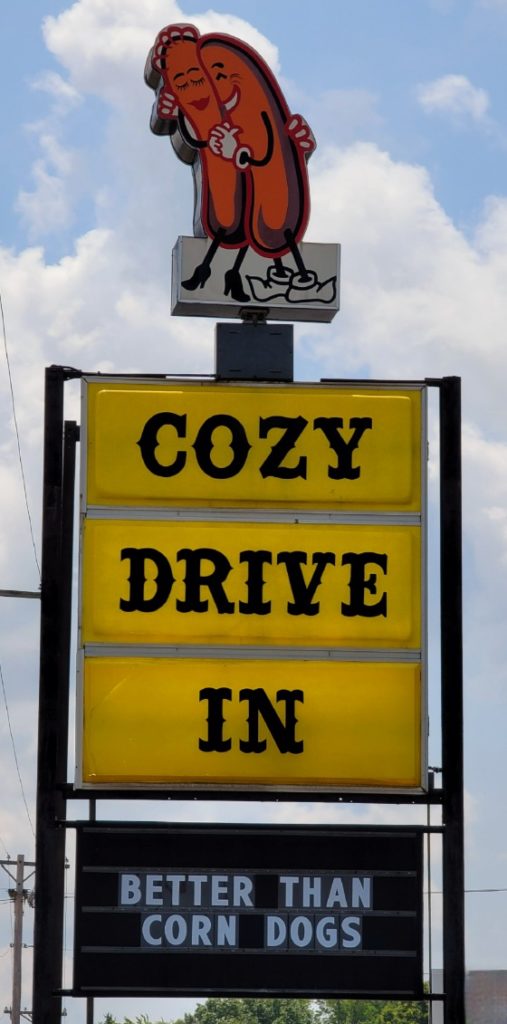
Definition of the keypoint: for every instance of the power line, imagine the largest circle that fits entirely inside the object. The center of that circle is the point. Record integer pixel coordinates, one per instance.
(18, 442)
(485, 890)
(438, 892)
(14, 750)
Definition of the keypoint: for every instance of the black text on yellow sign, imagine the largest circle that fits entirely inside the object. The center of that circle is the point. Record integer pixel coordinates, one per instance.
(264, 722)
(170, 582)
(218, 445)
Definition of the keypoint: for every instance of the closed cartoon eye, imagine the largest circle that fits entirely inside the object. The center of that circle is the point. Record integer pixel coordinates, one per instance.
(218, 68)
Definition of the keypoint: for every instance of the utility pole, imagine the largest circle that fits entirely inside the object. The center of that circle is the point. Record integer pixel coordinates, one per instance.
(18, 894)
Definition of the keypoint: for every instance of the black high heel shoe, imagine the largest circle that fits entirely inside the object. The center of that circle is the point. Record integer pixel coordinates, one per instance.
(234, 286)
(198, 279)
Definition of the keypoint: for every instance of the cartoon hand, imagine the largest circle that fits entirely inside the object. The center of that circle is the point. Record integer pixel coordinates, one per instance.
(167, 107)
(167, 37)
(223, 141)
(301, 134)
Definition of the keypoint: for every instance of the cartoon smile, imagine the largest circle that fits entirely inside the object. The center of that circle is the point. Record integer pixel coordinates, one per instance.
(233, 99)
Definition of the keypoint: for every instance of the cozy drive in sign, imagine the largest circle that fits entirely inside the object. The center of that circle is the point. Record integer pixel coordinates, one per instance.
(252, 585)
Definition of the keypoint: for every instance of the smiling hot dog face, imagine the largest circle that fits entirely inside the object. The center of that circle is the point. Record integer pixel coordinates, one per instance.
(187, 104)
(273, 147)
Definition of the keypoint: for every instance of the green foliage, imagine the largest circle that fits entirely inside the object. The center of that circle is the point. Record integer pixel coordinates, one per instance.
(143, 1018)
(251, 1011)
(296, 1011)
(370, 1011)
(404, 1013)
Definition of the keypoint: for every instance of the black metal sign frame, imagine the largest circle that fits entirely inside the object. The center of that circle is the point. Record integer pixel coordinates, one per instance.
(54, 790)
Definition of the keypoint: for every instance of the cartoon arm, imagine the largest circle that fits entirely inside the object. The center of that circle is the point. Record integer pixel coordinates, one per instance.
(187, 136)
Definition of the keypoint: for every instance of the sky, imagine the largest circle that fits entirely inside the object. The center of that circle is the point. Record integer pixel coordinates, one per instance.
(407, 100)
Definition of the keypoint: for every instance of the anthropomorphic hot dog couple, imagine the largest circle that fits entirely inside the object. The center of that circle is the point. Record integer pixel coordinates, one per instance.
(226, 114)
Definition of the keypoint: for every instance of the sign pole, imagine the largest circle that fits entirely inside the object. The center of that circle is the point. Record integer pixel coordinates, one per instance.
(452, 700)
(254, 350)
(58, 488)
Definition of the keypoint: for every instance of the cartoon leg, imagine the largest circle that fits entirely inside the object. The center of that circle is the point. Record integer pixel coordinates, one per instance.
(279, 272)
(233, 282)
(276, 284)
(298, 259)
(203, 270)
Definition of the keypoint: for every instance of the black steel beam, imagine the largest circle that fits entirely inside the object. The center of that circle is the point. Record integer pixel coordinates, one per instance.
(452, 700)
(57, 526)
(433, 796)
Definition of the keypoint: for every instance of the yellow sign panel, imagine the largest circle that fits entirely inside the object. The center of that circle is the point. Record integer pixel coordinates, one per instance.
(215, 445)
(231, 722)
(168, 582)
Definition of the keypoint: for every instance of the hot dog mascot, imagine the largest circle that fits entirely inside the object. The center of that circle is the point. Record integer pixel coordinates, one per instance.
(227, 116)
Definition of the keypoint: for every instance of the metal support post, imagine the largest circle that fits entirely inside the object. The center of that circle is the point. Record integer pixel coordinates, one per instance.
(58, 488)
(254, 351)
(452, 701)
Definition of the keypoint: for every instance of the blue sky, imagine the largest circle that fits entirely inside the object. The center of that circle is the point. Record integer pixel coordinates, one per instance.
(407, 99)
(384, 50)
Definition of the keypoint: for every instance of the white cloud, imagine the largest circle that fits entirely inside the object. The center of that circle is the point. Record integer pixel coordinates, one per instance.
(102, 42)
(420, 296)
(48, 207)
(454, 95)
(65, 95)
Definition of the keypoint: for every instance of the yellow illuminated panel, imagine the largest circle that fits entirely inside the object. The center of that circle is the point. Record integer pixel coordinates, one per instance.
(211, 445)
(168, 582)
(208, 721)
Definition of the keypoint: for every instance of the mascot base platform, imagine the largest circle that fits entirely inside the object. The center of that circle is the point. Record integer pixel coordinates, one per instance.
(281, 290)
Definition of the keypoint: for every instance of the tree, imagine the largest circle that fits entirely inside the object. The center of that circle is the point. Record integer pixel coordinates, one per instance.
(404, 1013)
(370, 1011)
(297, 1011)
(251, 1011)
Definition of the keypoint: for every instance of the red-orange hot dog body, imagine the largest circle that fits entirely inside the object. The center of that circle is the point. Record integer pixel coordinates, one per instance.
(222, 190)
(277, 199)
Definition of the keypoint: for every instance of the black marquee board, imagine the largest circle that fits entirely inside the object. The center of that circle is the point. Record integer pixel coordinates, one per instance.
(248, 910)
